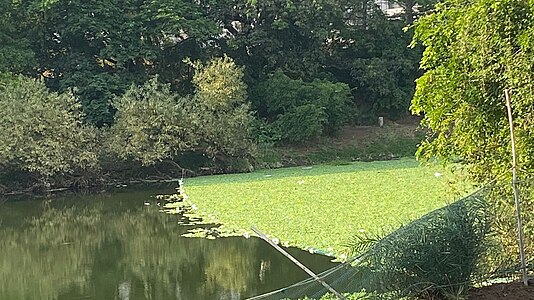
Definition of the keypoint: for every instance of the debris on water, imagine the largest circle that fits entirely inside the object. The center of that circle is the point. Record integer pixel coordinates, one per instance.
(329, 251)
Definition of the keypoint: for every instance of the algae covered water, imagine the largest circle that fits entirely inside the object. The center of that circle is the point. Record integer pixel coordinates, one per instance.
(116, 246)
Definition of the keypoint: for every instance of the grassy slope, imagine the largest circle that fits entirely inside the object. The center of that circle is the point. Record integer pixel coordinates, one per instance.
(324, 206)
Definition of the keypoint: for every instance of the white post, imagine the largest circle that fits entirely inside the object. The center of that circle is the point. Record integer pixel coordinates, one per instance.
(381, 121)
(516, 190)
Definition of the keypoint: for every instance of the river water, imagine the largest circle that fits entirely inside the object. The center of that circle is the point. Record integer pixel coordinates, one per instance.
(115, 246)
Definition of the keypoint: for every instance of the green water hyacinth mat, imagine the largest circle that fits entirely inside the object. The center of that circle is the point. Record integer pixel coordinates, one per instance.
(320, 207)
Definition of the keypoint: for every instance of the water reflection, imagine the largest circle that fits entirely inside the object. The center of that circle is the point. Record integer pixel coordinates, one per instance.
(113, 247)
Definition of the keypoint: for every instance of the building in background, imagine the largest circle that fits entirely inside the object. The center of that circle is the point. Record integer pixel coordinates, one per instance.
(390, 8)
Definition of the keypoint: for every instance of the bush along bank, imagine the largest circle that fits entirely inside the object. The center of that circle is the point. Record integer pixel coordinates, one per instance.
(45, 143)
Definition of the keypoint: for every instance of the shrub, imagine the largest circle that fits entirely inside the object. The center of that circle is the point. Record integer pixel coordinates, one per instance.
(41, 132)
(474, 51)
(284, 103)
(150, 124)
(434, 257)
(301, 123)
(219, 111)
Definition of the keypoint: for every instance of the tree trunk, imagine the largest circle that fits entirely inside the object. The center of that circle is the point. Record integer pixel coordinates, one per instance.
(409, 11)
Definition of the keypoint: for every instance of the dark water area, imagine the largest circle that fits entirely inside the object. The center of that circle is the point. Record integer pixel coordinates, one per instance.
(114, 246)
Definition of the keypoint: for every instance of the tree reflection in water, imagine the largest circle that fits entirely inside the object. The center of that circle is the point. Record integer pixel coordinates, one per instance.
(114, 247)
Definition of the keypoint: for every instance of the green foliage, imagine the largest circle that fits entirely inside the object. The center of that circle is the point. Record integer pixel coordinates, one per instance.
(330, 202)
(41, 131)
(100, 48)
(219, 84)
(394, 144)
(339, 40)
(382, 84)
(384, 144)
(474, 51)
(277, 34)
(16, 54)
(151, 124)
(432, 257)
(154, 124)
(298, 110)
(350, 60)
(301, 123)
(502, 258)
(219, 111)
(378, 66)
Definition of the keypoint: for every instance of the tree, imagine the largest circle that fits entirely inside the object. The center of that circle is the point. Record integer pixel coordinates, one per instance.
(153, 123)
(16, 54)
(221, 113)
(374, 59)
(277, 34)
(100, 48)
(41, 131)
(473, 52)
(338, 40)
(298, 111)
(150, 124)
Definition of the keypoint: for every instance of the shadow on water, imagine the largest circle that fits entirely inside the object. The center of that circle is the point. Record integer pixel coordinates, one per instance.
(112, 246)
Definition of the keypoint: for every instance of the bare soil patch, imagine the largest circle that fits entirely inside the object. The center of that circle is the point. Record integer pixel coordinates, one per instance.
(508, 291)
(360, 136)
(350, 134)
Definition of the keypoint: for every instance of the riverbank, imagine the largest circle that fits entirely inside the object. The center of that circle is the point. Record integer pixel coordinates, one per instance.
(354, 143)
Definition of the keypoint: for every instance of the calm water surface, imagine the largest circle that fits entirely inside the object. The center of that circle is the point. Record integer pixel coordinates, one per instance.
(112, 246)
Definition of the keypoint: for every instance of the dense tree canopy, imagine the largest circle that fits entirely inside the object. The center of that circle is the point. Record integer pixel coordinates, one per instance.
(98, 49)
(473, 52)
(16, 54)
(296, 110)
(41, 132)
(310, 67)
(347, 41)
(153, 123)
